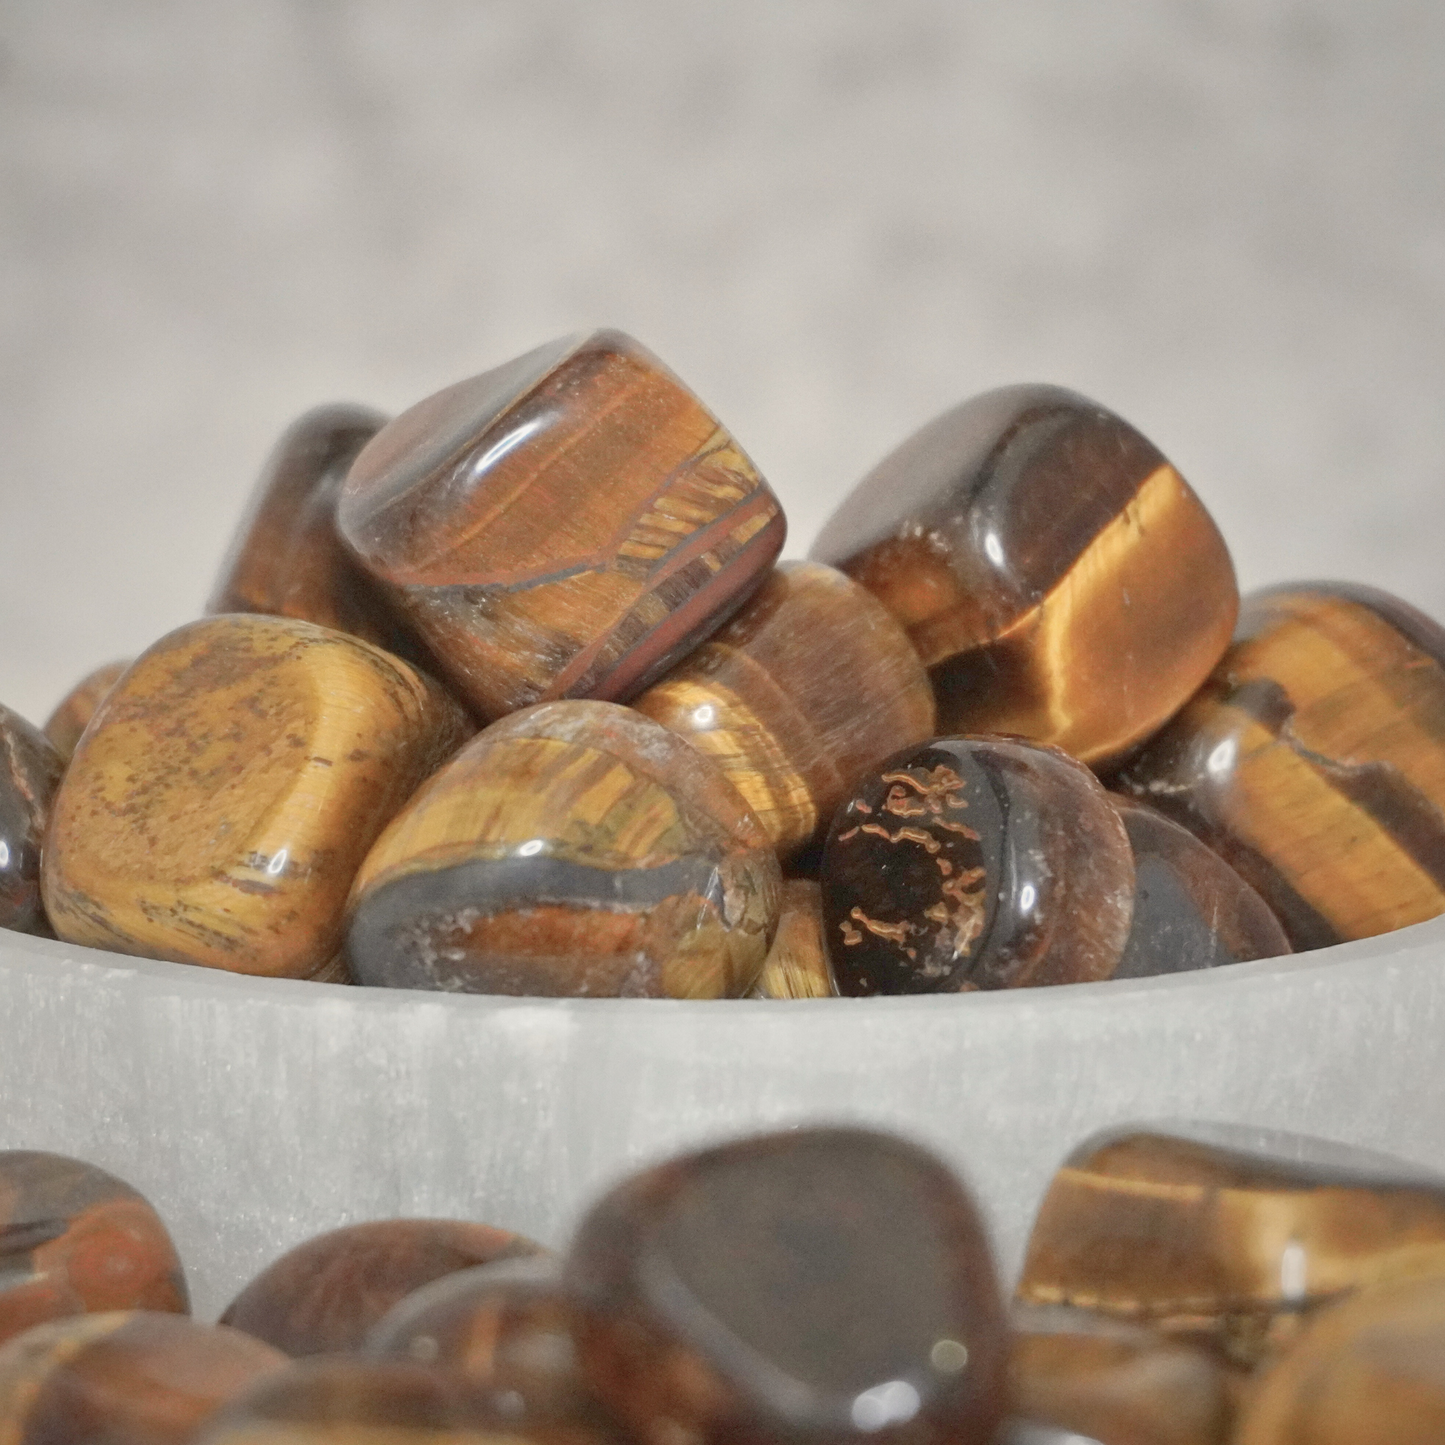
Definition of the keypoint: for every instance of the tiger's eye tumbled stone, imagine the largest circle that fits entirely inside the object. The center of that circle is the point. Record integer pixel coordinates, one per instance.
(810, 684)
(325, 1295)
(574, 848)
(798, 965)
(28, 778)
(228, 789)
(123, 1379)
(972, 863)
(1058, 577)
(568, 525)
(1313, 761)
(818, 1284)
(1195, 1234)
(76, 1240)
(1191, 909)
(64, 726)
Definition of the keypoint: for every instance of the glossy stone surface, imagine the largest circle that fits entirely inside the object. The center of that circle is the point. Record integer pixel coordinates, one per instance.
(64, 726)
(1058, 577)
(76, 1240)
(809, 685)
(1191, 909)
(30, 770)
(324, 1296)
(1369, 1371)
(568, 525)
(228, 788)
(123, 1379)
(973, 863)
(286, 558)
(576, 848)
(798, 965)
(1192, 1232)
(820, 1283)
(1313, 761)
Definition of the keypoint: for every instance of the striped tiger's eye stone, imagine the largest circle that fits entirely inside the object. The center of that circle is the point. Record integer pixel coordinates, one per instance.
(1191, 909)
(809, 685)
(123, 1379)
(568, 525)
(228, 789)
(823, 1284)
(75, 1240)
(324, 1296)
(575, 848)
(1205, 1232)
(30, 770)
(286, 558)
(1313, 761)
(976, 863)
(64, 726)
(798, 965)
(1058, 577)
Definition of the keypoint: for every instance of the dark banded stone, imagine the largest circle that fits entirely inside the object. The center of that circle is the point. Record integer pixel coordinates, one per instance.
(30, 770)
(568, 525)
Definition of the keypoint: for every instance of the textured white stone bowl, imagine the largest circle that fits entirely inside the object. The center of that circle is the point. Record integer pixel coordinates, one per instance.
(254, 1113)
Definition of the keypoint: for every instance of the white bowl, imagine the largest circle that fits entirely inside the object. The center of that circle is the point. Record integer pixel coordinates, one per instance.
(256, 1112)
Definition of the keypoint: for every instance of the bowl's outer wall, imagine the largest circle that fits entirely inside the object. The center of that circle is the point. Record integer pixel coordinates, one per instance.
(254, 1113)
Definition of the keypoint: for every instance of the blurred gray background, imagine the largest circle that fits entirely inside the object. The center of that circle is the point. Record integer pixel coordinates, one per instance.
(1223, 218)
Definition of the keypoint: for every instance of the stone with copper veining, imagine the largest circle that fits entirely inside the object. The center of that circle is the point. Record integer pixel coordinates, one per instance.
(575, 848)
(976, 863)
(1313, 761)
(1058, 577)
(75, 1240)
(64, 726)
(28, 779)
(809, 685)
(228, 788)
(817, 1284)
(568, 525)
(324, 1296)
(798, 965)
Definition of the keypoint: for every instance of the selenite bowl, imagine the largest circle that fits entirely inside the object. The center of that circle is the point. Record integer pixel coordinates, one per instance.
(256, 1112)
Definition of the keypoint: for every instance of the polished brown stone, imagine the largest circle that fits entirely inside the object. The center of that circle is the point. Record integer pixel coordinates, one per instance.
(1229, 1233)
(819, 1284)
(123, 1379)
(798, 965)
(75, 1240)
(971, 863)
(325, 1295)
(30, 770)
(286, 558)
(1191, 909)
(809, 685)
(228, 788)
(1313, 761)
(568, 525)
(576, 848)
(64, 726)
(1057, 576)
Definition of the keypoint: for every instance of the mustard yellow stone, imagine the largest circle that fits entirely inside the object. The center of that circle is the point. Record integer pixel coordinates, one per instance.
(797, 964)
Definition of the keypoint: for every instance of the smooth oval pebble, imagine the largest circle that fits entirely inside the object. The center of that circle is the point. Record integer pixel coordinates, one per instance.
(64, 726)
(28, 781)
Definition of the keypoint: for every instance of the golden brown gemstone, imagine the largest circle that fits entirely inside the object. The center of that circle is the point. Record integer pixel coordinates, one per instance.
(28, 777)
(64, 726)
(568, 525)
(1191, 909)
(286, 558)
(817, 1284)
(123, 1379)
(810, 684)
(1204, 1232)
(1368, 1371)
(972, 863)
(76, 1240)
(798, 965)
(573, 848)
(1313, 761)
(1058, 577)
(228, 789)
(325, 1295)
